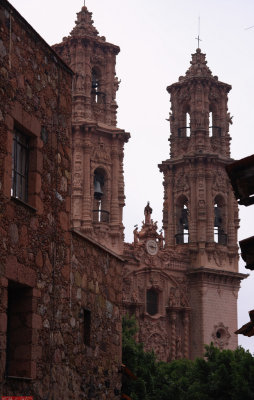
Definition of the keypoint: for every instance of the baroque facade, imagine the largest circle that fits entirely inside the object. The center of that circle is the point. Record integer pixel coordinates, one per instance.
(183, 287)
(98, 185)
(66, 274)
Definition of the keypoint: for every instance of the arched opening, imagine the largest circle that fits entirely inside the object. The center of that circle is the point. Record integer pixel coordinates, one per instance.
(214, 129)
(210, 124)
(188, 124)
(220, 235)
(100, 201)
(152, 300)
(184, 122)
(96, 92)
(182, 221)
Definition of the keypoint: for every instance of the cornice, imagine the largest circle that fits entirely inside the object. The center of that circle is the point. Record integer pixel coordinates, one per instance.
(188, 81)
(194, 159)
(213, 275)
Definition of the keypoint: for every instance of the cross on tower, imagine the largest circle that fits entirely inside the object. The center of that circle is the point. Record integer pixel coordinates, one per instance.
(199, 40)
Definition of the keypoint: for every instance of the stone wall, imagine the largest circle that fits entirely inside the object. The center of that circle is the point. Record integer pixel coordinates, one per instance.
(35, 92)
(60, 325)
(96, 278)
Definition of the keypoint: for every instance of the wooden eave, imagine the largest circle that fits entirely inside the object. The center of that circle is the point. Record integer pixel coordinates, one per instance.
(241, 174)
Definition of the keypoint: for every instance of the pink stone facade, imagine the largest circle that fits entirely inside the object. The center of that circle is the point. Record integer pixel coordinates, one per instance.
(66, 275)
(195, 271)
(97, 142)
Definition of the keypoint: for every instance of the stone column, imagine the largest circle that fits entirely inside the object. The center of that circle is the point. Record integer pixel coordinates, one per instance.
(173, 334)
(114, 215)
(170, 210)
(232, 237)
(77, 177)
(108, 87)
(193, 209)
(186, 324)
(86, 212)
(209, 209)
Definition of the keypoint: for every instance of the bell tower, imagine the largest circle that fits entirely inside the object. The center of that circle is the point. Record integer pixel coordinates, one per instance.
(97, 182)
(200, 214)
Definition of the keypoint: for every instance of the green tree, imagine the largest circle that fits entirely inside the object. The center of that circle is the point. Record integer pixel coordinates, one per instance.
(221, 375)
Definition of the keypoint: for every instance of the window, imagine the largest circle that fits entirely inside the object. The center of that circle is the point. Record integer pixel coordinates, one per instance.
(210, 124)
(97, 95)
(182, 221)
(19, 331)
(184, 129)
(220, 235)
(87, 327)
(100, 201)
(20, 165)
(152, 301)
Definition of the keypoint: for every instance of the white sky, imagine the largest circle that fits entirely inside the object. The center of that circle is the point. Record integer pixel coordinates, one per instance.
(156, 40)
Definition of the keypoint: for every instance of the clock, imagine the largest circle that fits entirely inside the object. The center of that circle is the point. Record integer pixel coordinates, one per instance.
(152, 247)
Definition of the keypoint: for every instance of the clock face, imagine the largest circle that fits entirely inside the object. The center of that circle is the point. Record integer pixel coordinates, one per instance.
(152, 247)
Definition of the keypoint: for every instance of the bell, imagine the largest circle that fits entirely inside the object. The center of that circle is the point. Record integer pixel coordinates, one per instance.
(98, 193)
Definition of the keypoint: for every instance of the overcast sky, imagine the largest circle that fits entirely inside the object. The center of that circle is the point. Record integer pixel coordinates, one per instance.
(156, 40)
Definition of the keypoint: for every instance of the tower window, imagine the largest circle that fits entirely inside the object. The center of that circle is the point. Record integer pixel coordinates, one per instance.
(187, 124)
(184, 129)
(97, 95)
(152, 301)
(210, 124)
(214, 130)
(182, 221)
(100, 212)
(20, 164)
(220, 235)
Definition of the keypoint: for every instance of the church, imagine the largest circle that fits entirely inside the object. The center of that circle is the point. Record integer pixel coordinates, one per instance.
(66, 274)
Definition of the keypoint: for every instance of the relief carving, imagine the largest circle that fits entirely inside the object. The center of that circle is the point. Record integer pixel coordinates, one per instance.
(155, 337)
(221, 335)
(219, 183)
(178, 298)
(101, 152)
(182, 182)
(77, 181)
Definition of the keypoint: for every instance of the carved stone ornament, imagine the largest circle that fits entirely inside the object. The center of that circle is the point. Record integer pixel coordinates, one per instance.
(101, 152)
(221, 335)
(219, 182)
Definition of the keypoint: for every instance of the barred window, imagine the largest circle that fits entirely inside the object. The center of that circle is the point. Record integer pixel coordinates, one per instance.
(20, 163)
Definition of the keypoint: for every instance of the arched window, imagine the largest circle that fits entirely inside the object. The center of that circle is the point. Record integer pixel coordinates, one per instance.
(182, 221)
(184, 123)
(100, 201)
(152, 297)
(187, 124)
(96, 93)
(220, 235)
(210, 123)
(214, 129)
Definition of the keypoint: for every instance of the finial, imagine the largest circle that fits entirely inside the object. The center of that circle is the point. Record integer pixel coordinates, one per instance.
(198, 38)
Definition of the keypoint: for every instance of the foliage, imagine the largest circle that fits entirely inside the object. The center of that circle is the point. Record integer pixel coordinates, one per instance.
(221, 375)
